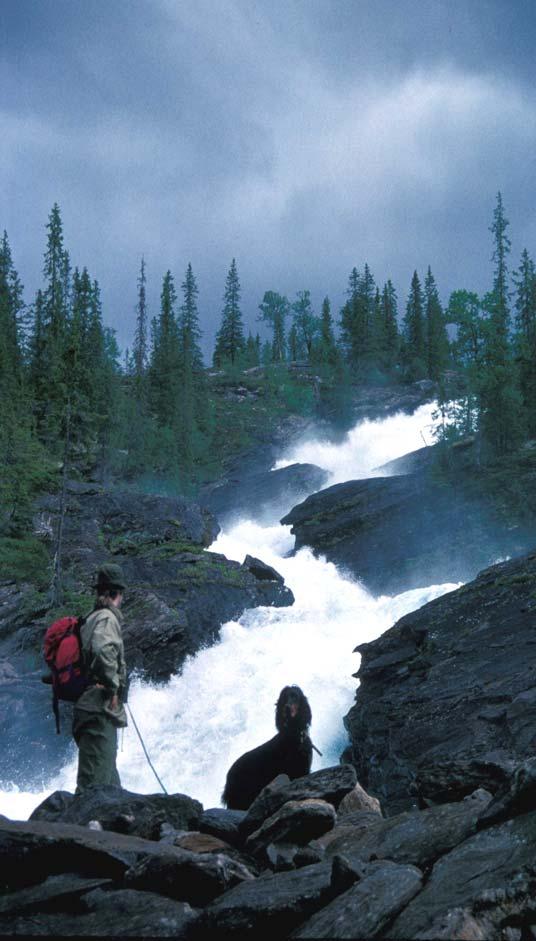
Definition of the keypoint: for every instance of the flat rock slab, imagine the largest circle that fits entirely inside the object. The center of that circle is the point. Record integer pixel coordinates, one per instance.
(490, 876)
(274, 904)
(122, 811)
(368, 906)
(329, 784)
(295, 822)
(61, 847)
(115, 914)
(186, 876)
(56, 891)
(416, 837)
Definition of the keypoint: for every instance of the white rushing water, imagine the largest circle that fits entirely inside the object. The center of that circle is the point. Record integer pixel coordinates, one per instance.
(223, 702)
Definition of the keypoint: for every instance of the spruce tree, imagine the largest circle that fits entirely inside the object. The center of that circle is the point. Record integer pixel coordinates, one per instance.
(51, 391)
(274, 310)
(165, 360)
(525, 340)
(437, 344)
(415, 332)
(499, 395)
(193, 390)
(140, 345)
(389, 341)
(306, 322)
(230, 342)
(327, 348)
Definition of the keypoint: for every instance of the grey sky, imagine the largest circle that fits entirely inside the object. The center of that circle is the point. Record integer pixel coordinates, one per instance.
(300, 136)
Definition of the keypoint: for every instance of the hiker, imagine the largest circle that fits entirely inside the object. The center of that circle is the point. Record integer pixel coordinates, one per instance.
(99, 711)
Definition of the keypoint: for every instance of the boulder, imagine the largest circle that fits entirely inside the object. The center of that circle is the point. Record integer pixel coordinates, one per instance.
(297, 821)
(417, 837)
(329, 784)
(484, 885)
(186, 876)
(272, 905)
(455, 679)
(223, 824)
(122, 811)
(367, 907)
(358, 800)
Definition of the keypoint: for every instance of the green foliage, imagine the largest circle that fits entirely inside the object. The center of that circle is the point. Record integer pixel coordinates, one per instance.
(274, 310)
(24, 559)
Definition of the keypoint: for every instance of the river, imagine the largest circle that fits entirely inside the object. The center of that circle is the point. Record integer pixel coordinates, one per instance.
(222, 703)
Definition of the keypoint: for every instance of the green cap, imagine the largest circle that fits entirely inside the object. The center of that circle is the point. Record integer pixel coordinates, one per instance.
(110, 576)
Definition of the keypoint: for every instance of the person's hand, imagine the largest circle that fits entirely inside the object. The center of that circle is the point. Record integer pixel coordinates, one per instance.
(114, 702)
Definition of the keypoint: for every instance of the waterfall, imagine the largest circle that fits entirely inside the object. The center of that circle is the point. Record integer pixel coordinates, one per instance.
(223, 701)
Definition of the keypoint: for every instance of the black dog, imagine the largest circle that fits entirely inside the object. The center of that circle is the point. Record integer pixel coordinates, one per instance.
(289, 752)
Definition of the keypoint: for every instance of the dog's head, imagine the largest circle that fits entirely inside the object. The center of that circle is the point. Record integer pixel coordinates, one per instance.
(292, 710)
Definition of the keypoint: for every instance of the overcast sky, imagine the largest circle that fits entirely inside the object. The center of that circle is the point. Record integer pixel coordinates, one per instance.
(302, 137)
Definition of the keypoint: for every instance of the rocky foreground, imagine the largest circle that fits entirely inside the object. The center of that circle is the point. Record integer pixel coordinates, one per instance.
(312, 858)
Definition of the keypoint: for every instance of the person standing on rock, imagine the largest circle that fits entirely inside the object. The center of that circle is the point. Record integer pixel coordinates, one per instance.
(99, 711)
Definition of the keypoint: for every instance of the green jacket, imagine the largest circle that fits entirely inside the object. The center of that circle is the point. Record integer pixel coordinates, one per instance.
(104, 656)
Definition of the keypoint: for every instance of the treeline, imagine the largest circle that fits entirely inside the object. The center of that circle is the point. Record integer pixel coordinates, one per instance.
(67, 396)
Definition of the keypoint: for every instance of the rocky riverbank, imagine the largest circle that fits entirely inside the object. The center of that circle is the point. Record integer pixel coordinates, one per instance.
(181, 594)
(447, 697)
(312, 858)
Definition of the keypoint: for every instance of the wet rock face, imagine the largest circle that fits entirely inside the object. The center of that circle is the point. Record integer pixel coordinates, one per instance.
(447, 697)
(398, 533)
(266, 495)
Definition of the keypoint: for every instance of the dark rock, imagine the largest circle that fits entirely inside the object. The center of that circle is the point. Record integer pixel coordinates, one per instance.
(424, 685)
(412, 463)
(57, 847)
(329, 784)
(266, 494)
(357, 801)
(417, 837)
(487, 882)
(118, 914)
(49, 895)
(182, 600)
(127, 913)
(273, 905)
(397, 533)
(186, 876)
(368, 906)
(262, 571)
(518, 798)
(297, 821)
(282, 856)
(223, 824)
(121, 811)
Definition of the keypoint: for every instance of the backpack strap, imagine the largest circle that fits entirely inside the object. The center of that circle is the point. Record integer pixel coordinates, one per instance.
(56, 710)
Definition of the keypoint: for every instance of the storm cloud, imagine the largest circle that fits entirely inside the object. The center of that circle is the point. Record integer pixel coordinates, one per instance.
(301, 138)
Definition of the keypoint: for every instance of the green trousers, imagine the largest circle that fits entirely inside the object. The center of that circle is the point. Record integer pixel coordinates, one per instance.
(96, 737)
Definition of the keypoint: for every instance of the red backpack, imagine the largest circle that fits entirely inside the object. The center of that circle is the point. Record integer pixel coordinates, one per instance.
(63, 655)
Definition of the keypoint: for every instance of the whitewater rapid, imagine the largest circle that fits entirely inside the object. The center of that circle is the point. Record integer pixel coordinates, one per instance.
(223, 702)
